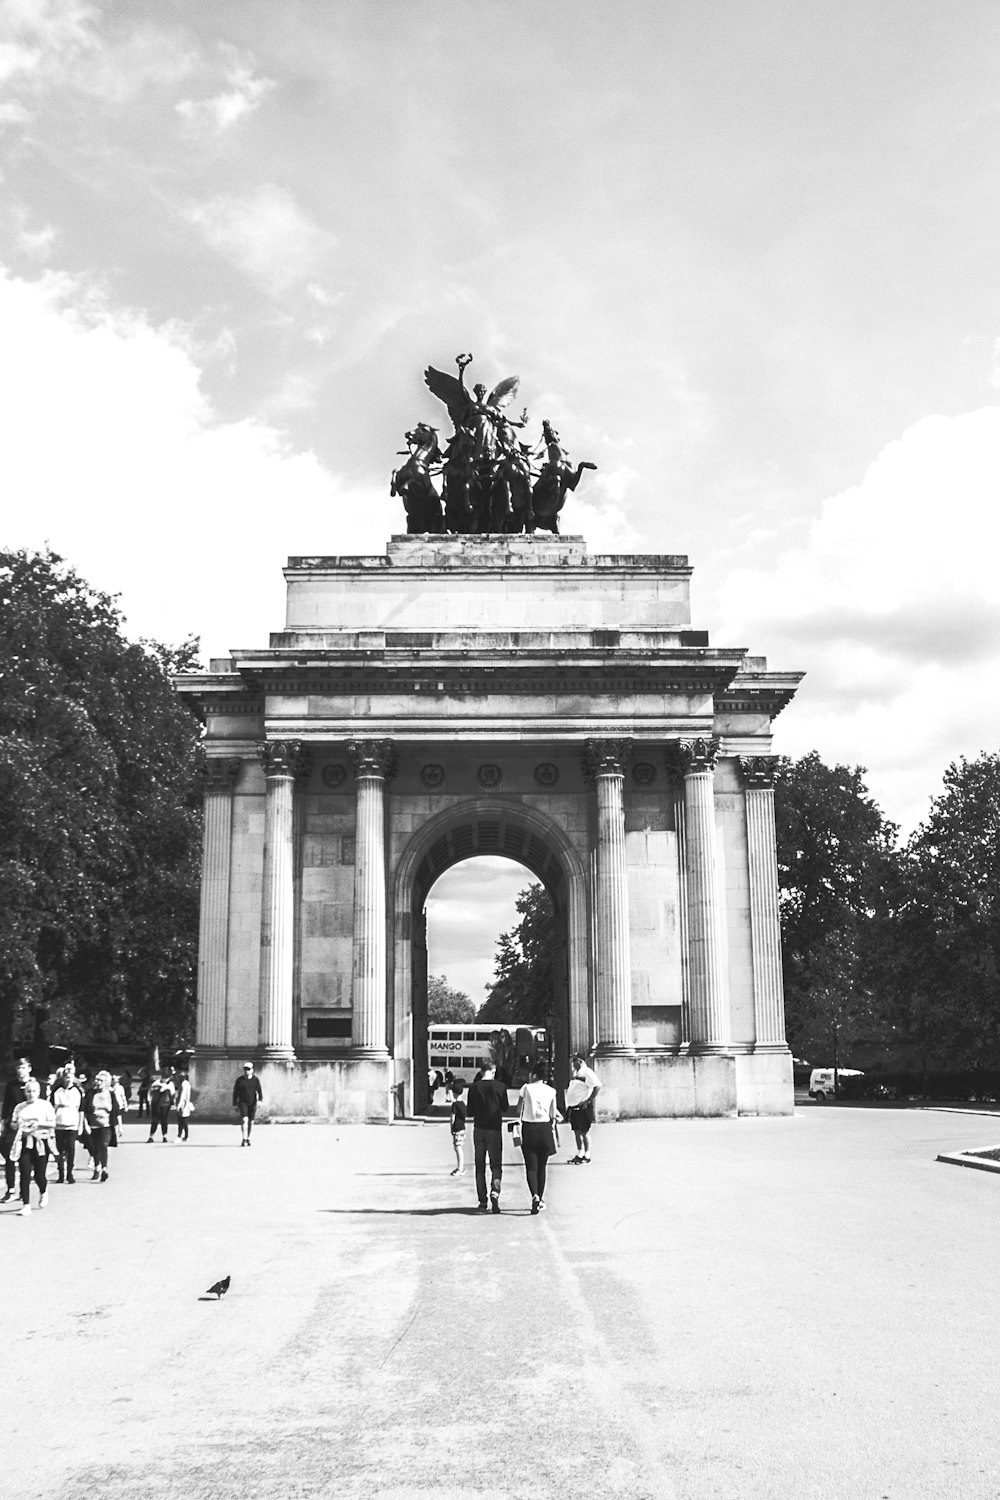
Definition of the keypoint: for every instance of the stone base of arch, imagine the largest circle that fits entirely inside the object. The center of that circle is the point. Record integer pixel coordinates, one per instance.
(343, 1090)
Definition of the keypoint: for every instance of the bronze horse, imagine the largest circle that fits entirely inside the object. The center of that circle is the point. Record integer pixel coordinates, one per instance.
(463, 496)
(554, 482)
(412, 482)
(510, 495)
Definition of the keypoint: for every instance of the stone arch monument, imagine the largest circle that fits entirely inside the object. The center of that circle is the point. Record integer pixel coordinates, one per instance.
(507, 695)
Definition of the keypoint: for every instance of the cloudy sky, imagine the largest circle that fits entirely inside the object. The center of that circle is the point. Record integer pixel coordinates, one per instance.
(744, 255)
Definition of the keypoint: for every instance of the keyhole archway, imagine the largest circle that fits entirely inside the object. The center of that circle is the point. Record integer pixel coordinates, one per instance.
(459, 833)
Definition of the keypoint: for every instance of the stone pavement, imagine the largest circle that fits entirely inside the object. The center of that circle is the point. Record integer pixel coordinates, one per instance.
(714, 1310)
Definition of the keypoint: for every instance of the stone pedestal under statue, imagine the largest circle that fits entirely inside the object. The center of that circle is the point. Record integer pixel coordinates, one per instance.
(511, 696)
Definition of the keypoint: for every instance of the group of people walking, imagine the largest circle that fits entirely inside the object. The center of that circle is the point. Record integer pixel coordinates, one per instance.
(536, 1129)
(42, 1124)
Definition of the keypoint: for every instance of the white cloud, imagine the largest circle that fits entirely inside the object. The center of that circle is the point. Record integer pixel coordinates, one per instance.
(265, 234)
(467, 910)
(114, 457)
(37, 36)
(244, 93)
(892, 606)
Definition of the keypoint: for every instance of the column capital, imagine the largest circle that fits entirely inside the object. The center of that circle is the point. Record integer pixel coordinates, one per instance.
(372, 758)
(284, 758)
(605, 758)
(698, 754)
(219, 775)
(758, 770)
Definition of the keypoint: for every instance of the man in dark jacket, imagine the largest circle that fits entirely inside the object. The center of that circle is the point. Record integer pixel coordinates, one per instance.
(247, 1094)
(487, 1101)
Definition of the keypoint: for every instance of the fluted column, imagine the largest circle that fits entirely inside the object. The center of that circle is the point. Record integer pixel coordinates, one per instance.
(283, 761)
(705, 950)
(676, 776)
(604, 766)
(213, 928)
(765, 924)
(373, 763)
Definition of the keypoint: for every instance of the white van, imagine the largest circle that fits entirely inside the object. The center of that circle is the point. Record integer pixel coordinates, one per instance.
(821, 1082)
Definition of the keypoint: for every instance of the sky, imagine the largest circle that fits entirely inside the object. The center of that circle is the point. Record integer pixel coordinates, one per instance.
(743, 255)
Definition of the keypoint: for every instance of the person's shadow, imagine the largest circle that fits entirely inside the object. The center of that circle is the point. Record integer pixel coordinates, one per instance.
(430, 1213)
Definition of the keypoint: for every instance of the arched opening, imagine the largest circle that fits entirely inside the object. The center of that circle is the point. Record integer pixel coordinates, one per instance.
(466, 910)
(459, 833)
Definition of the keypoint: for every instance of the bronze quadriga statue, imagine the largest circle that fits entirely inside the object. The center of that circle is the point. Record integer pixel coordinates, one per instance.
(491, 480)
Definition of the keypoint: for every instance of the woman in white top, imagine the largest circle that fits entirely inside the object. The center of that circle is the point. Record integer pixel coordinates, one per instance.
(67, 1101)
(35, 1124)
(539, 1132)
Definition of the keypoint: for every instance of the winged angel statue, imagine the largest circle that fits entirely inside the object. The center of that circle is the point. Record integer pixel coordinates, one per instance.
(489, 480)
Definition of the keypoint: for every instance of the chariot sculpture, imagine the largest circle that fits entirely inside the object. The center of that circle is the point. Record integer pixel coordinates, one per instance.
(491, 481)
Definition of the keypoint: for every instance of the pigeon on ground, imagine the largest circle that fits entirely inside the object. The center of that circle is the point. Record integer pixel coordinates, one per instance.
(219, 1289)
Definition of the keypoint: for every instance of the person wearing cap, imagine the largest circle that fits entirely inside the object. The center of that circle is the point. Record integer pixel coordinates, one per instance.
(583, 1088)
(247, 1094)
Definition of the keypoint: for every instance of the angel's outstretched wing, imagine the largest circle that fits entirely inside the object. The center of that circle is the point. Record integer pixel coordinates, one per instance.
(504, 393)
(447, 389)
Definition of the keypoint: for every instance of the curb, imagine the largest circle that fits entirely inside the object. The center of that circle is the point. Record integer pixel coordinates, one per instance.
(962, 1160)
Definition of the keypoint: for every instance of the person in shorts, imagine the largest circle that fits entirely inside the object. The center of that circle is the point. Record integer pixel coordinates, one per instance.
(581, 1091)
(247, 1094)
(458, 1117)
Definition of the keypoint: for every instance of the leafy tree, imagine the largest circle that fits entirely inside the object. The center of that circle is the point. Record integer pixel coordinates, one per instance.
(99, 819)
(447, 1004)
(942, 949)
(836, 861)
(522, 990)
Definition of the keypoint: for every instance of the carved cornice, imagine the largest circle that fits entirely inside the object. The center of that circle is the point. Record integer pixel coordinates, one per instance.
(285, 758)
(698, 754)
(372, 758)
(758, 770)
(219, 775)
(605, 758)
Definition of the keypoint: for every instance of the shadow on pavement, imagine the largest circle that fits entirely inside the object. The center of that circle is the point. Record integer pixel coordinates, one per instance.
(428, 1213)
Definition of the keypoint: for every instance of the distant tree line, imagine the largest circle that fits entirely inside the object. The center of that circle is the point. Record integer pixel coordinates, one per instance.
(891, 951)
(100, 821)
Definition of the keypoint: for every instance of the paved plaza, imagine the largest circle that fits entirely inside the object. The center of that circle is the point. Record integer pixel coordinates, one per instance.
(713, 1310)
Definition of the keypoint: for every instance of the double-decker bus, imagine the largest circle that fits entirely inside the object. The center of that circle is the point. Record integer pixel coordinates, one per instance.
(459, 1049)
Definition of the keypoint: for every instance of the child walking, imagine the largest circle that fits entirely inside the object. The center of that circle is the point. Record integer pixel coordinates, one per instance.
(458, 1113)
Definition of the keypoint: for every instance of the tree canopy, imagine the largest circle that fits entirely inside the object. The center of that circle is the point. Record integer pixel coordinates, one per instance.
(836, 858)
(941, 951)
(99, 819)
(522, 989)
(447, 1004)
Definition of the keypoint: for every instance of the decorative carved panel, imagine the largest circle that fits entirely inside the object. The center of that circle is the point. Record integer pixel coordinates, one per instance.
(284, 758)
(606, 758)
(220, 775)
(698, 755)
(372, 758)
(758, 770)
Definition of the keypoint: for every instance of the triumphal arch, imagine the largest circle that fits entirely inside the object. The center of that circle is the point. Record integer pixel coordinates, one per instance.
(505, 695)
